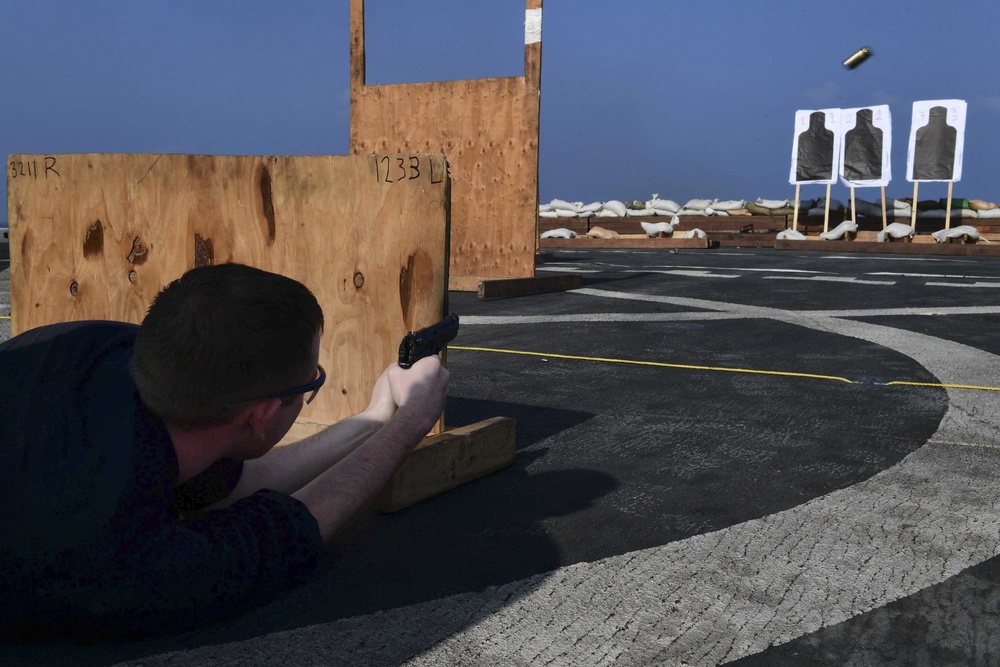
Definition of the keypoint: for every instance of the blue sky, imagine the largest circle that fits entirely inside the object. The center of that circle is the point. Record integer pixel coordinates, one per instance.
(685, 99)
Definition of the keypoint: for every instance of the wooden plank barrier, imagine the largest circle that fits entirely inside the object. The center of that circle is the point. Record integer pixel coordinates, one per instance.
(488, 128)
(95, 236)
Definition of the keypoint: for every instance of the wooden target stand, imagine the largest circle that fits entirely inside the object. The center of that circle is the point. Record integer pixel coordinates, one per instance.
(488, 129)
(96, 236)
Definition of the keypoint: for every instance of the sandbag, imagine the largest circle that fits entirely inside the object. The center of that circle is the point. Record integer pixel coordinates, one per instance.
(615, 206)
(560, 205)
(756, 209)
(955, 203)
(548, 214)
(896, 230)
(942, 235)
(654, 229)
(664, 205)
(988, 214)
(772, 203)
(640, 212)
(868, 208)
(561, 233)
(729, 205)
(982, 205)
(602, 233)
(698, 204)
(942, 213)
(846, 227)
(790, 235)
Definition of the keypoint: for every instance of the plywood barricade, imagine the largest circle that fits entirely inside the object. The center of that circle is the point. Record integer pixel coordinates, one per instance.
(488, 128)
(95, 236)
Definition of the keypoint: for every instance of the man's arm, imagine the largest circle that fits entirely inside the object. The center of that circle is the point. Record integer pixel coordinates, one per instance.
(288, 468)
(339, 492)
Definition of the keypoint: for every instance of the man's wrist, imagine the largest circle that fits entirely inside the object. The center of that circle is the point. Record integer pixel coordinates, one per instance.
(413, 419)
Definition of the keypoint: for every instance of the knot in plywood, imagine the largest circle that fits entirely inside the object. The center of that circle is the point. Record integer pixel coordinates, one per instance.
(138, 254)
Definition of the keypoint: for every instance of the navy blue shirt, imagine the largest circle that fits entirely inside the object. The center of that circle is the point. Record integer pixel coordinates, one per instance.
(97, 538)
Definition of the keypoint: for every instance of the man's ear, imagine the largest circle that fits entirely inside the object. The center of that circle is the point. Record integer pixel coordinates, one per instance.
(259, 414)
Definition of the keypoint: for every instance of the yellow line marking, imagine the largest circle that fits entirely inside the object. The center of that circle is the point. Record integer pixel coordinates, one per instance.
(658, 364)
(944, 384)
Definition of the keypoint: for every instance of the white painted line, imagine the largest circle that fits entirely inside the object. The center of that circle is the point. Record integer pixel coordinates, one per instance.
(472, 320)
(926, 275)
(778, 313)
(833, 279)
(742, 268)
(689, 274)
(924, 259)
(565, 269)
(976, 284)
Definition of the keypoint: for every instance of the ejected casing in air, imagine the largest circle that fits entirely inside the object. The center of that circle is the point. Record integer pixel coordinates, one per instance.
(858, 57)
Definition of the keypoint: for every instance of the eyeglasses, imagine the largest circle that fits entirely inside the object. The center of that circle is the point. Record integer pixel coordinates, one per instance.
(313, 387)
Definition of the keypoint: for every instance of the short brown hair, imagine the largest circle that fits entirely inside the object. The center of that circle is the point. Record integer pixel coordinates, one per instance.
(218, 335)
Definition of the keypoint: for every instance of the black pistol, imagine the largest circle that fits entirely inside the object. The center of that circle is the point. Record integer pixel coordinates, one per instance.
(419, 344)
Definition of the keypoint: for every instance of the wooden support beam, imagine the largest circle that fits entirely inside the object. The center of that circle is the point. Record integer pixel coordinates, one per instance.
(635, 242)
(508, 288)
(505, 288)
(448, 460)
(919, 246)
(441, 462)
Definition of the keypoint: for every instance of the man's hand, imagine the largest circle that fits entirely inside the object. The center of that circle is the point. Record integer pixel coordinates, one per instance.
(419, 391)
(425, 385)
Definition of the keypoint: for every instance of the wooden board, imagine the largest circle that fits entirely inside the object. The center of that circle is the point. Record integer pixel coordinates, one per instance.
(445, 461)
(710, 224)
(488, 128)
(508, 288)
(643, 242)
(95, 236)
(919, 246)
(441, 462)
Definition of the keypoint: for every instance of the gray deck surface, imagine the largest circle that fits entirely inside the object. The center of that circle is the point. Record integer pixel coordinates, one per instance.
(667, 507)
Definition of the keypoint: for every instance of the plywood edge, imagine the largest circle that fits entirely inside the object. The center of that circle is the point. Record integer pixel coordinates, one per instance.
(631, 242)
(507, 288)
(448, 460)
(463, 283)
(897, 248)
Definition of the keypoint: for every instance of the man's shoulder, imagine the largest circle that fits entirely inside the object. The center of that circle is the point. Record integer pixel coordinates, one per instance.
(77, 339)
(80, 328)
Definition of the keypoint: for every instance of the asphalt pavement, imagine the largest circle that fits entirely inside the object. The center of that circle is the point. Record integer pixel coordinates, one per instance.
(733, 455)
